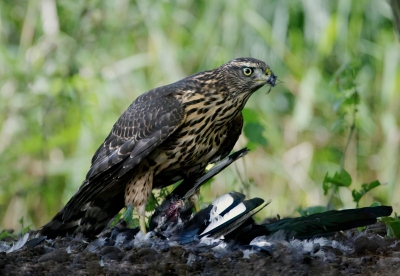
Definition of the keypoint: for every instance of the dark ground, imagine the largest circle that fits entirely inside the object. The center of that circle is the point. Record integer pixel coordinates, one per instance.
(348, 253)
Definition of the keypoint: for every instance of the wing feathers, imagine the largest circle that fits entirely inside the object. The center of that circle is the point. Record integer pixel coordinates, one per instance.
(153, 122)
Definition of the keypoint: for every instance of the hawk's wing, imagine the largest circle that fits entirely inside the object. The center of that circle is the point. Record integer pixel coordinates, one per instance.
(139, 130)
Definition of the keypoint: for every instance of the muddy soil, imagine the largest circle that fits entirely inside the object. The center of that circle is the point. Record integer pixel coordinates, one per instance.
(347, 253)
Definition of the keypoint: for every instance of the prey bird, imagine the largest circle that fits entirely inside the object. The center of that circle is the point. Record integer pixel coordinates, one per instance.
(174, 205)
(312, 226)
(230, 217)
(167, 134)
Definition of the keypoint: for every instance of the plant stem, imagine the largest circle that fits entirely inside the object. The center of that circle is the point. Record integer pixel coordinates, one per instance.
(352, 128)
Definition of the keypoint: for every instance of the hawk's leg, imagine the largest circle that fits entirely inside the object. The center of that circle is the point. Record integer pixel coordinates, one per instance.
(142, 218)
(195, 200)
(137, 192)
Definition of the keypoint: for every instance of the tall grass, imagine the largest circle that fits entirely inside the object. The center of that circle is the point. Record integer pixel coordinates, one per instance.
(68, 69)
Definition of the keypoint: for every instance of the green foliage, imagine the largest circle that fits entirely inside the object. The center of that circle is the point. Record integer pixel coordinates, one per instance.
(131, 222)
(156, 199)
(6, 234)
(365, 188)
(376, 203)
(253, 129)
(343, 179)
(393, 226)
(340, 179)
(151, 203)
(128, 214)
(10, 234)
(24, 228)
(67, 74)
(312, 210)
(254, 132)
(347, 104)
(116, 219)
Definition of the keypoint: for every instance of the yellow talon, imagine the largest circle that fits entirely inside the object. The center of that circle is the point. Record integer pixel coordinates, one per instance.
(142, 224)
(195, 200)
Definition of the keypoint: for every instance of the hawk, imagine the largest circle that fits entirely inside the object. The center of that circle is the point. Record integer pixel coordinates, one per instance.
(167, 134)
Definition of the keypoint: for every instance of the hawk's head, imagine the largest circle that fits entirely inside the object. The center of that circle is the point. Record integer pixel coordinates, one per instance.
(246, 75)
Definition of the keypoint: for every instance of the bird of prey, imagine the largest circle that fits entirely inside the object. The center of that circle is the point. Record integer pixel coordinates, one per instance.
(167, 134)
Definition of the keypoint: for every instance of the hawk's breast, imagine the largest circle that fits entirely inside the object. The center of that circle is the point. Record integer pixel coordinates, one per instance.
(195, 144)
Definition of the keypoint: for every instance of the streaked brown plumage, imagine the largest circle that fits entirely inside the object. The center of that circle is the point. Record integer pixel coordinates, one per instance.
(165, 135)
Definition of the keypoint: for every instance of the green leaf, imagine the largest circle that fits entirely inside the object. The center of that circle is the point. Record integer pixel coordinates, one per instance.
(312, 210)
(254, 132)
(354, 99)
(365, 188)
(21, 222)
(151, 203)
(133, 223)
(115, 220)
(340, 179)
(326, 185)
(25, 229)
(128, 217)
(376, 204)
(394, 229)
(393, 226)
(250, 116)
(370, 186)
(356, 195)
(361, 228)
(163, 193)
(5, 234)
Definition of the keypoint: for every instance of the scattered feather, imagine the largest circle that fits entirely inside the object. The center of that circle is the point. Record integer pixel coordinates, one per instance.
(20, 243)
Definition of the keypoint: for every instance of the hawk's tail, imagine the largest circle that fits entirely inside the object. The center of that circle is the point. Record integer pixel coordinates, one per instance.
(89, 217)
(57, 227)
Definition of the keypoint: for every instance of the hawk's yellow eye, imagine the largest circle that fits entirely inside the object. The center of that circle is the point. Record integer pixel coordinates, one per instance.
(247, 71)
(267, 71)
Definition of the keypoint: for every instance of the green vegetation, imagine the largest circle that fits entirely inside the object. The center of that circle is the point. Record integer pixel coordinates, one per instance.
(393, 226)
(69, 69)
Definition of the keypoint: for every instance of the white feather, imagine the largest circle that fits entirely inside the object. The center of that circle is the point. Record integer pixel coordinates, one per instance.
(219, 205)
(20, 243)
(218, 220)
(261, 241)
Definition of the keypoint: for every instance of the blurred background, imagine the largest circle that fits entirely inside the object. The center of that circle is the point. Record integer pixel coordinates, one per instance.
(68, 69)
